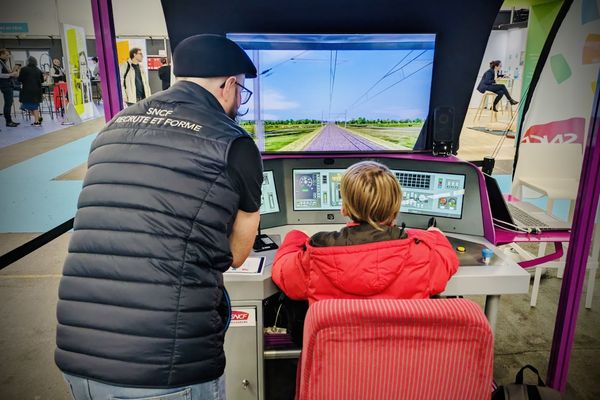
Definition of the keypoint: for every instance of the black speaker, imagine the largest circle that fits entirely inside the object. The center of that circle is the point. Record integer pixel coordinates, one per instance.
(443, 124)
(443, 130)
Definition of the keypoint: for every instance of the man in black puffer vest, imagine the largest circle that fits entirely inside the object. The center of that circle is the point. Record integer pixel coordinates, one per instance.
(169, 202)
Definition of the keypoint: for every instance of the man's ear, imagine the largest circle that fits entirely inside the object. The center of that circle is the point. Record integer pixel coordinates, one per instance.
(230, 83)
(228, 88)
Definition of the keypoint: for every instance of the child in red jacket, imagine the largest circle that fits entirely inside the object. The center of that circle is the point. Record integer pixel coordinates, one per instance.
(371, 257)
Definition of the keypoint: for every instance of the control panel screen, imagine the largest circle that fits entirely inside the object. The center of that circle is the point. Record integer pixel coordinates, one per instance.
(317, 189)
(431, 193)
(268, 197)
(427, 193)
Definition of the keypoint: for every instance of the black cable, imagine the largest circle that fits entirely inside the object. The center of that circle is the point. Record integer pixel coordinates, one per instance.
(34, 244)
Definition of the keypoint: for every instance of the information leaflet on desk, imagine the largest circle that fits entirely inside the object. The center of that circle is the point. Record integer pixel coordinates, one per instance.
(252, 265)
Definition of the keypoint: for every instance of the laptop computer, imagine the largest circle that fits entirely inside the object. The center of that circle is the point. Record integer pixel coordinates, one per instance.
(519, 213)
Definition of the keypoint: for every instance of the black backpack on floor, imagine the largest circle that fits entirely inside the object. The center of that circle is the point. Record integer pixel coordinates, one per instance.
(521, 391)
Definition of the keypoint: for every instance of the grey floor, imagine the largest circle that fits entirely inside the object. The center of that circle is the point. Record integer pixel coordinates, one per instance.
(28, 295)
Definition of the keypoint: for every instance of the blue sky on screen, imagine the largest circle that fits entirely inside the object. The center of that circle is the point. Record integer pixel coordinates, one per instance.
(297, 76)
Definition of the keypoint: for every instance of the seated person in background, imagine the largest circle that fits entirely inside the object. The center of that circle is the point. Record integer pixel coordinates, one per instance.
(371, 257)
(488, 83)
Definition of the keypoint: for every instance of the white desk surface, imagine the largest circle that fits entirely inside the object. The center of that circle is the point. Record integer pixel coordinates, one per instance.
(502, 276)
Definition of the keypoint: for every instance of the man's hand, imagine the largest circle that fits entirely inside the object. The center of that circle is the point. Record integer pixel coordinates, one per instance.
(242, 236)
(14, 74)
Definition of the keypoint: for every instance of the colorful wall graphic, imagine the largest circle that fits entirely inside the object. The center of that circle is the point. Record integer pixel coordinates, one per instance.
(77, 70)
(561, 105)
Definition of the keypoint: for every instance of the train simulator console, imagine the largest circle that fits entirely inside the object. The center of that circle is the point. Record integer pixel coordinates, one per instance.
(303, 192)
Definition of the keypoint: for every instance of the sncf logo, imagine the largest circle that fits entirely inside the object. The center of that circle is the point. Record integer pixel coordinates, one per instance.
(570, 130)
(239, 316)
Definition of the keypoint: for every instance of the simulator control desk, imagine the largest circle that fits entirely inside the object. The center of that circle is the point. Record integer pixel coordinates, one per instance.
(303, 193)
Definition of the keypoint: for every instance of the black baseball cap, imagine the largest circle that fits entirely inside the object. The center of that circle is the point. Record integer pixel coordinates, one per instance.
(209, 55)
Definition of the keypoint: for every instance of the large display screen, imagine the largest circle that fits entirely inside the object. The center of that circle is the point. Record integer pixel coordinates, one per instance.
(268, 198)
(322, 92)
(427, 193)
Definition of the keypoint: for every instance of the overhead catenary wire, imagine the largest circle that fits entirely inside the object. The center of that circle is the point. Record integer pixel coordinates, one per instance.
(282, 62)
(332, 71)
(393, 84)
(391, 71)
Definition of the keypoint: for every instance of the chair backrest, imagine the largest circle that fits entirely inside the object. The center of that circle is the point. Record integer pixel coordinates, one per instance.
(396, 349)
(544, 160)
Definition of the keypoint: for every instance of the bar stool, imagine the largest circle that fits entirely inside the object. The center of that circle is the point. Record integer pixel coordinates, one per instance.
(46, 104)
(484, 105)
(502, 107)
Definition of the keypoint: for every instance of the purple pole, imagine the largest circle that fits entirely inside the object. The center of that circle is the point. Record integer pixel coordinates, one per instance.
(104, 29)
(577, 256)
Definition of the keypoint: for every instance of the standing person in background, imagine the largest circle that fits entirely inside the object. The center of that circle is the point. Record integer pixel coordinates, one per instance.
(164, 73)
(57, 72)
(6, 77)
(94, 70)
(488, 83)
(134, 82)
(31, 77)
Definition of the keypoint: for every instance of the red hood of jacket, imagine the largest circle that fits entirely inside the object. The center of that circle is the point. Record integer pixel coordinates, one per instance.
(362, 270)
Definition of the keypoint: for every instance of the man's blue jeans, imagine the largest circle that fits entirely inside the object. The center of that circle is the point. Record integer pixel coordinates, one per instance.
(86, 389)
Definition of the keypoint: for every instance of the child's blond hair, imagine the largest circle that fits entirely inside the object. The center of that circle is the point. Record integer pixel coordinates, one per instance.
(371, 193)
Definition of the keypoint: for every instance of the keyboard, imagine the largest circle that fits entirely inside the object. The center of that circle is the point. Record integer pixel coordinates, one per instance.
(524, 218)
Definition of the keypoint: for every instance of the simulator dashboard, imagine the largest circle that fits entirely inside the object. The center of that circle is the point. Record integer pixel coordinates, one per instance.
(306, 190)
(433, 194)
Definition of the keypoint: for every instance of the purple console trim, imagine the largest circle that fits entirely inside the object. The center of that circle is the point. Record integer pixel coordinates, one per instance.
(586, 206)
(558, 253)
(488, 226)
(106, 51)
(486, 211)
(504, 236)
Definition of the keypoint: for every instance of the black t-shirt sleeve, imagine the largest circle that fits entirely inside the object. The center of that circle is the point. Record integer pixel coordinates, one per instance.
(246, 172)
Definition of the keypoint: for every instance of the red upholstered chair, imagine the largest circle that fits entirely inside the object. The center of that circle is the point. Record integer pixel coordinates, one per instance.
(396, 349)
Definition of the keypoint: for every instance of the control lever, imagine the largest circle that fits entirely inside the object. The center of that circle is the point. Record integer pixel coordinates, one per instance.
(432, 222)
(263, 242)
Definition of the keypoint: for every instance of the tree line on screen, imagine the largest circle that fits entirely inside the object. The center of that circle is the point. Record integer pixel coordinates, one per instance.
(365, 121)
(354, 121)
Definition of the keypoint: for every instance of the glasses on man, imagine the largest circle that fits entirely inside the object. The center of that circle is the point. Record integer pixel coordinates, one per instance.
(245, 93)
